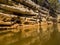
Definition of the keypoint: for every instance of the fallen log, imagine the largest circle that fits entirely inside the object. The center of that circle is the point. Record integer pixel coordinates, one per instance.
(17, 9)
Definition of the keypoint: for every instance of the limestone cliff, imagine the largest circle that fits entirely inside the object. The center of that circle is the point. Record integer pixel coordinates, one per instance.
(21, 12)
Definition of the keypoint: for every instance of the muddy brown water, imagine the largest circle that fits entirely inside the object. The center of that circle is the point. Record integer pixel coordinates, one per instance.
(35, 35)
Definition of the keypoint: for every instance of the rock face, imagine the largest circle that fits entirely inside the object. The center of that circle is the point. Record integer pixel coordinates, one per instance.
(20, 11)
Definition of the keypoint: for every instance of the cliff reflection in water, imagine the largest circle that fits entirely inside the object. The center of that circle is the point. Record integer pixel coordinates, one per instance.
(36, 35)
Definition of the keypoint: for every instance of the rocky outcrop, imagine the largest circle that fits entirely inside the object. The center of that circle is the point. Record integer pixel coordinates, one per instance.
(18, 9)
(21, 11)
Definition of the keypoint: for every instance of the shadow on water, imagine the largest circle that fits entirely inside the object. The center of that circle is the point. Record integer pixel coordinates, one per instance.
(44, 35)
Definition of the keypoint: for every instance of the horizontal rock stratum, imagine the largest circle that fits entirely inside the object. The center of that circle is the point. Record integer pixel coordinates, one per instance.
(21, 12)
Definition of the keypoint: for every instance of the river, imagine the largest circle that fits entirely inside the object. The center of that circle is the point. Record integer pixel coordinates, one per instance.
(35, 35)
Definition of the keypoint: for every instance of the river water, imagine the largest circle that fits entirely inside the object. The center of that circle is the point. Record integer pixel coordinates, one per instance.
(35, 35)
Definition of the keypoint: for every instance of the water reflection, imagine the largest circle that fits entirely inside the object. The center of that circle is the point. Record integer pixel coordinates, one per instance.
(54, 36)
(34, 35)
